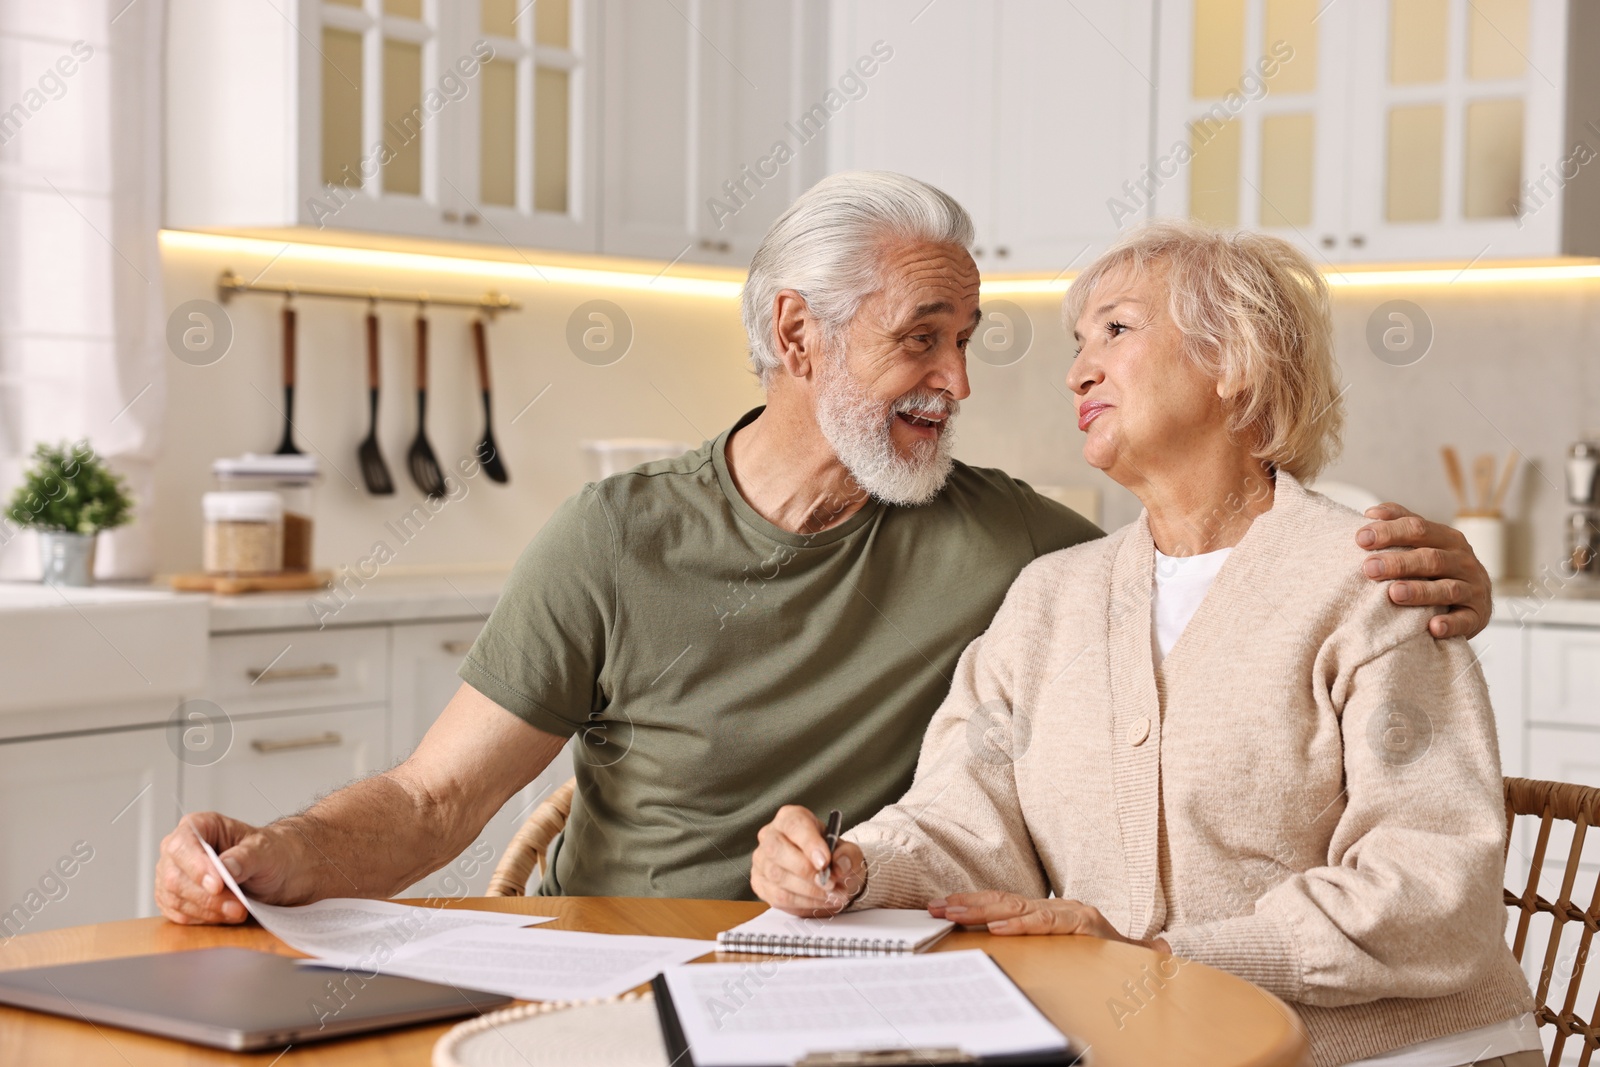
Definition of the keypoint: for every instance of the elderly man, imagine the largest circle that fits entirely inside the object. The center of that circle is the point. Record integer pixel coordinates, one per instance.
(771, 618)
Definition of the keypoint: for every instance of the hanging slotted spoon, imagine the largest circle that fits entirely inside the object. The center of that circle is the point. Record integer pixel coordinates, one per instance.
(488, 452)
(424, 467)
(374, 471)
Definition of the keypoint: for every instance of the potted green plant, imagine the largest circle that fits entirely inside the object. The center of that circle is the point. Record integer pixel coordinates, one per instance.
(68, 496)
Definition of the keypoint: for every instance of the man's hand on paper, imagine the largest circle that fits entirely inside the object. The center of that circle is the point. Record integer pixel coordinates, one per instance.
(188, 889)
(792, 853)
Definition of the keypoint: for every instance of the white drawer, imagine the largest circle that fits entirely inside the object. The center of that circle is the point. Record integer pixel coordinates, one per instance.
(1564, 675)
(288, 669)
(275, 765)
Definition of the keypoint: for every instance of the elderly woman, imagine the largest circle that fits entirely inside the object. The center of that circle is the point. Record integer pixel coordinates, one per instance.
(1206, 733)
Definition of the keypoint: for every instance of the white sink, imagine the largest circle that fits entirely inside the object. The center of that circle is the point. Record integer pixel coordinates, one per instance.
(99, 646)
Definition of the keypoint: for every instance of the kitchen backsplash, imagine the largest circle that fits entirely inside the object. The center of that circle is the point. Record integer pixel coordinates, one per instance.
(1509, 366)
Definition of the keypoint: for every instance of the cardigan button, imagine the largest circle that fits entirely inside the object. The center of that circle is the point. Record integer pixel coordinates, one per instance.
(1139, 731)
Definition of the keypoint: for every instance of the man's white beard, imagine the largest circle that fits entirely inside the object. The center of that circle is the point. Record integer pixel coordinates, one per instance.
(859, 429)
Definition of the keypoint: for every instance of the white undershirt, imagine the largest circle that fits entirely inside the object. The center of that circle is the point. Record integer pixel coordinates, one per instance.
(1181, 583)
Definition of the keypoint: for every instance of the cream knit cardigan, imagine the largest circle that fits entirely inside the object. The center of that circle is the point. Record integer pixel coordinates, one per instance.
(1307, 793)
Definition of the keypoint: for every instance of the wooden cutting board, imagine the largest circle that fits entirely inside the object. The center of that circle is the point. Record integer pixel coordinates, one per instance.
(282, 582)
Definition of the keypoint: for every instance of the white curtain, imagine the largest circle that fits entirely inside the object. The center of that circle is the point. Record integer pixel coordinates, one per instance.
(81, 326)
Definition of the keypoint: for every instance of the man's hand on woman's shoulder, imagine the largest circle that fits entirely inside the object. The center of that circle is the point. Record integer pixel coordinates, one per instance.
(1437, 565)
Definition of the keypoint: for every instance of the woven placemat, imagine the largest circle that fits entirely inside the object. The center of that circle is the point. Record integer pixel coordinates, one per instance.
(618, 1032)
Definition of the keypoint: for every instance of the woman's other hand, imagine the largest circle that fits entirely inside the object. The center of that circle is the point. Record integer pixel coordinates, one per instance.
(1007, 914)
(792, 854)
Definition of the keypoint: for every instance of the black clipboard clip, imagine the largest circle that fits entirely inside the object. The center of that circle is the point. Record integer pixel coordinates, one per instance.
(888, 1057)
(678, 1048)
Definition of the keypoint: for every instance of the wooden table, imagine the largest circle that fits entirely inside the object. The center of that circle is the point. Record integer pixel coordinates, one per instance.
(1111, 996)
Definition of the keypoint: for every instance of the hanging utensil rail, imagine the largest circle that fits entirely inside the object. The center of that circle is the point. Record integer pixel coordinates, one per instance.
(490, 302)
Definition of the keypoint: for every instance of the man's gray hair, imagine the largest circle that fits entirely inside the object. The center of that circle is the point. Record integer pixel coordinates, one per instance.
(826, 248)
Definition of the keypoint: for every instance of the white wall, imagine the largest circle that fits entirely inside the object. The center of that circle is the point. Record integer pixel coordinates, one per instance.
(683, 378)
(1513, 364)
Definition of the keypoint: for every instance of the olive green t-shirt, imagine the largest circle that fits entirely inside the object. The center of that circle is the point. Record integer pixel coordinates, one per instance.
(715, 667)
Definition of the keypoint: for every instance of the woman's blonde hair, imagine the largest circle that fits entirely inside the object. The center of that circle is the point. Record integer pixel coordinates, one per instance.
(1254, 315)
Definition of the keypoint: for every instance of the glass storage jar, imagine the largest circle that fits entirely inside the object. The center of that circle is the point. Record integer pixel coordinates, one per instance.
(243, 533)
(291, 478)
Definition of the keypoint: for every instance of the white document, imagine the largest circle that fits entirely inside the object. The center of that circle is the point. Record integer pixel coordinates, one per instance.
(471, 949)
(354, 931)
(544, 964)
(778, 1011)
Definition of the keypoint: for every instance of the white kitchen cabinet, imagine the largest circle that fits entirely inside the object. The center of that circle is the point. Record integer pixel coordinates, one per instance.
(1564, 675)
(446, 120)
(283, 670)
(425, 657)
(929, 109)
(1502, 654)
(1396, 130)
(275, 765)
(710, 123)
(96, 805)
(1251, 117)
(1032, 113)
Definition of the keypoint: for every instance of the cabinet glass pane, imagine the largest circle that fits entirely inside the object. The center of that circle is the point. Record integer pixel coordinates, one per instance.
(550, 139)
(552, 23)
(1214, 173)
(1292, 22)
(1416, 163)
(1218, 47)
(341, 108)
(1497, 38)
(406, 9)
(1288, 143)
(1419, 34)
(498, 17)
(1494, 159)
(497, 148)
(402, 117)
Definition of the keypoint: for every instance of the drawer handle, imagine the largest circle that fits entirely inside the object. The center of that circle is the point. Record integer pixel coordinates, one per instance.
(328, 738)
(292, 674)
(457, 648)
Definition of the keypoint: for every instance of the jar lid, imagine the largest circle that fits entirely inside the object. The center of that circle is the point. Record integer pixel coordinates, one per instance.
(283, 468)
(242, 507)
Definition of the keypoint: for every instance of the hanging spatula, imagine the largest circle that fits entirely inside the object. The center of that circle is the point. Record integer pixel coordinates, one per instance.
(424, 467)
(488, 452)
(374, 471)
(286, 446)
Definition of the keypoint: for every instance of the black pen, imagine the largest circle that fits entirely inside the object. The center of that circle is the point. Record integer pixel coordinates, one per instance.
(831, 837)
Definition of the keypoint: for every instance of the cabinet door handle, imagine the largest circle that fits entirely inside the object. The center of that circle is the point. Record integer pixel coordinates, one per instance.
(292, 674)
(1357, 241)
(1329, 241)
(327, 739)
(1002, 251)
(452, 216)
(715, 246)
(457, 648)
(977, 253)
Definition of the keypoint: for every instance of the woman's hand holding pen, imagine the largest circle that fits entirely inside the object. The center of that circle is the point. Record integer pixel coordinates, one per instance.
(793, 858)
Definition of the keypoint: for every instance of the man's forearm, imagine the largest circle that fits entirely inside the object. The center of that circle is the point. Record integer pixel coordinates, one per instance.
(372, 838)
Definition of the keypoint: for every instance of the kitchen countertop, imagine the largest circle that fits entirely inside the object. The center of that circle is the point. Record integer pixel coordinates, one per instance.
(385, 599)
(1571, 605)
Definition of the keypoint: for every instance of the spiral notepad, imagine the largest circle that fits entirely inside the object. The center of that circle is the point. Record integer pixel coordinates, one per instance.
(870, 932)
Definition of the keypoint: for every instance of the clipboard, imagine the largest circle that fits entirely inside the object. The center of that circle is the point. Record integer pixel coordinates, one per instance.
(679, 1054)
